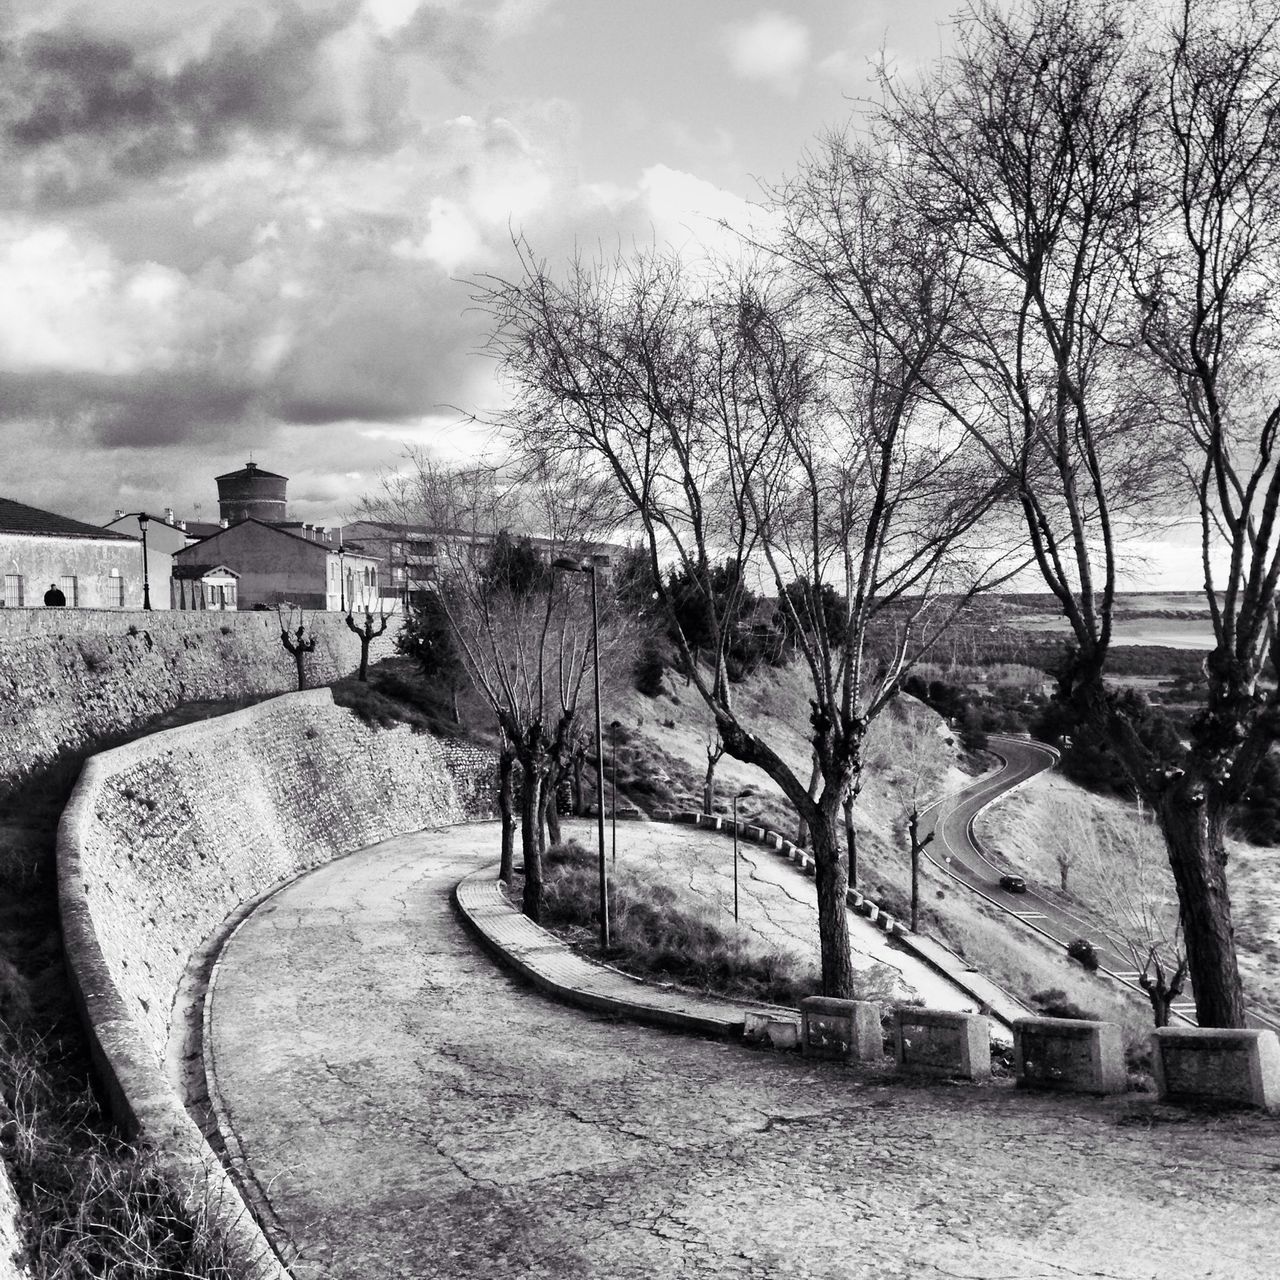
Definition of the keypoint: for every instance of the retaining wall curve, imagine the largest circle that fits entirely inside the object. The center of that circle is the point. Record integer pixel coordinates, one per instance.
(166, 836)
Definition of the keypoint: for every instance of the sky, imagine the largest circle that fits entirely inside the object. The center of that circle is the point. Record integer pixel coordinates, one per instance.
(236, 229)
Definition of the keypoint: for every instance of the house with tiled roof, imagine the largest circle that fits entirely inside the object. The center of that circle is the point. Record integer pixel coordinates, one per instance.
(93, 568)
(276, 565)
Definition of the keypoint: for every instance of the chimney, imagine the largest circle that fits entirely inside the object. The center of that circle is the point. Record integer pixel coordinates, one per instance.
(119, 514)
(224, 523)
(168, 515)
(182, 524)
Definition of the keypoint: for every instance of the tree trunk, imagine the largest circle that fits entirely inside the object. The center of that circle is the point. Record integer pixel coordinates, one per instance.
(551, 809)
(363, 674)
(506, 806)
(530, 830)
(850, 842)
(833, 919)
(1192, 819)
(802, 826)
(577, 783)
(300, 661)
(709, 786)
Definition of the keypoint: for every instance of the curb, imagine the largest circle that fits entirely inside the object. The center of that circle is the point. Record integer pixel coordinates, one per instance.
(657, 1010)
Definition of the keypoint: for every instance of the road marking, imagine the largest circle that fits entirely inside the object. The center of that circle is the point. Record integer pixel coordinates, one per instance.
(1031, 915)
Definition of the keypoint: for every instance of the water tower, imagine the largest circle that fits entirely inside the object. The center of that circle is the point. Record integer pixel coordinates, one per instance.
(251, 493)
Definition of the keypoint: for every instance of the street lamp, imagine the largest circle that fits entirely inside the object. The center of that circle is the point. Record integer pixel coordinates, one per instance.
(741, 795)
(588, 567)
(342, 578)
(143, 521)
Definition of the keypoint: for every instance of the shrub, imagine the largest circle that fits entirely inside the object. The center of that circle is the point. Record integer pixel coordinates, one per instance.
(649, 670)
(1081, 949)
(1054, 1003)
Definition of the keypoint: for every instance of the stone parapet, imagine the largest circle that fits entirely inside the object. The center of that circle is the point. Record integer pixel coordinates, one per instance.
(1069, 1054)
(847, 1030)
(939, 1042)
(1217, 1064)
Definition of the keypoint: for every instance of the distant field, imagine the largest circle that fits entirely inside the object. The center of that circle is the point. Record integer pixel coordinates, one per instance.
(1172, 633)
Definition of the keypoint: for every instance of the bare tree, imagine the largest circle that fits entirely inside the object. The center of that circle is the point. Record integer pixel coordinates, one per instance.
(1124, 877)
(732, 432)
(295, 639)
(1120, 212)
(715, 749)
(367, 630)
(523, 633)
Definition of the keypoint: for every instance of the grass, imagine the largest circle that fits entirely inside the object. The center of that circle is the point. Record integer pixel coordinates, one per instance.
(659, 933)
(94, 1206)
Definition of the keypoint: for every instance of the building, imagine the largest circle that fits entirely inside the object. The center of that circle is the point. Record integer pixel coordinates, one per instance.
(166, 533)
(204, 586)
(94, 568)
(273, 565)
(409, 556)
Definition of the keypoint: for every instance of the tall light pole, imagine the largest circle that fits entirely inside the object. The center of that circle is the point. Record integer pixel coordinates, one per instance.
(342, 577)
(588, 567)
(738, 796)
(143, 521)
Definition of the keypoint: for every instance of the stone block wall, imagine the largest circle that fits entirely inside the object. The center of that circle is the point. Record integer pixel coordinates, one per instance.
(172, 832)
(69, 677)
(166, 836)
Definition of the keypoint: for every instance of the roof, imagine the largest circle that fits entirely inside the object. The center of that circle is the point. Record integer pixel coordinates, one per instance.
(200, 528)
(329, 548)
(17, 517)
(250, 469)
(197, 571)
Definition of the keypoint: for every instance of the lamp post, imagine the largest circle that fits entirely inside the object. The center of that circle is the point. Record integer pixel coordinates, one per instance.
(738, 796)
(143, 521)
(588, 567)
(342, 578)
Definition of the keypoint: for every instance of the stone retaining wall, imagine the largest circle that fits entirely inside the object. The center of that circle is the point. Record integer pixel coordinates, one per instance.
(165, 836)
(69, 677)
(9, 1242)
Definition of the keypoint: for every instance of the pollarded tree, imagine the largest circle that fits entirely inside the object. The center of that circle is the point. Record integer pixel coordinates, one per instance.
(522, 632)
(732, 435)
(1120, 208)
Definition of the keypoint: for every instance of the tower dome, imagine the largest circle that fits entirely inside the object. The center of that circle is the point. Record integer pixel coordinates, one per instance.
(251, 493)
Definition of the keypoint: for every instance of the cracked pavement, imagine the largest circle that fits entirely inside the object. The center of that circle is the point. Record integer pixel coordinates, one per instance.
(411, 1110)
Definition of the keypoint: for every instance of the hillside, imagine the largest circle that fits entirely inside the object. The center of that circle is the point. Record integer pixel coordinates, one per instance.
(662, 762)
(1110, 849)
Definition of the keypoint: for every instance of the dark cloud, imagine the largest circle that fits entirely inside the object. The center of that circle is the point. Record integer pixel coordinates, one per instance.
(142, 409)
(458, 42)
(93, 109)
(391, 350)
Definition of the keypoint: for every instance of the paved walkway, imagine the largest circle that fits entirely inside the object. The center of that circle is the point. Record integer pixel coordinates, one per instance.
(407, 1109)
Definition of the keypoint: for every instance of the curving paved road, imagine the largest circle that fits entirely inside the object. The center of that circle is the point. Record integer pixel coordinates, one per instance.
(956, 851)
(405, 1109)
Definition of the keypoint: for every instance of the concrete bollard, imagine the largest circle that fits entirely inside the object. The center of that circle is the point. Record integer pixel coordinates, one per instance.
(853, 898)
(775, 840)
(1217, 1064)
(684, 817)
(1069, 1054)
(886, 922)
(708, 822)
(847, 1030)
(938, 1042)
(754, 833)
(781, 1032)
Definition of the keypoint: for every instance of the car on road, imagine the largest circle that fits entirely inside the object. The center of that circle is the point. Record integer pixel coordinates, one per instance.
(1013, 884)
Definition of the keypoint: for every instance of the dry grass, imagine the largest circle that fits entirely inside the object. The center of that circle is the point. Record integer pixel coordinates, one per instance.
(661, 930)
(93, 1206)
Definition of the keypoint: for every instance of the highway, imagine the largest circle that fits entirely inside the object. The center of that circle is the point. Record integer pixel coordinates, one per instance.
(956, 852)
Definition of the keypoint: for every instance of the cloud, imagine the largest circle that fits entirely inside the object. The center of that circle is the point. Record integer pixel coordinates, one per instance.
(772, 49)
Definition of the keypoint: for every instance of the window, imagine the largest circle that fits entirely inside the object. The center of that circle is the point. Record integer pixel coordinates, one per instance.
(13, 591)
(68, 584)
(114, 596)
